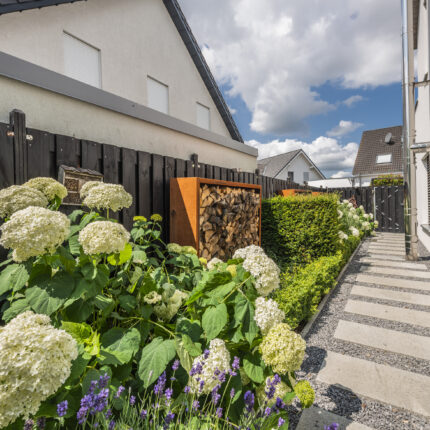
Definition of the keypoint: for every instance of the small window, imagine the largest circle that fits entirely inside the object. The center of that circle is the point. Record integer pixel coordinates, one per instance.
(81, 61)
(203, 116)
(158, 96)
(384, 158)
(290, 176)
(305, 176)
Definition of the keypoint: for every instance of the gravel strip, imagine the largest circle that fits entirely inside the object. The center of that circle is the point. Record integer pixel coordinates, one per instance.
(374, 414)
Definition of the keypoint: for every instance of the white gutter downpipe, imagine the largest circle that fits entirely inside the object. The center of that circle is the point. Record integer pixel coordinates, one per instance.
(410, 205)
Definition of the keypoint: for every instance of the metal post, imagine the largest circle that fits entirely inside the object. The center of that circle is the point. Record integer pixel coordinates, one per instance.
(411, 239)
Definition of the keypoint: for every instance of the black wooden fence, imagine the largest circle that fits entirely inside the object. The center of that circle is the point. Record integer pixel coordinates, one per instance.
(386, 204)
(27, 153)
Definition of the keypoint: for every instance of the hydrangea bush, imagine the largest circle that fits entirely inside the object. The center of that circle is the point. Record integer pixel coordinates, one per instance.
(147, 316)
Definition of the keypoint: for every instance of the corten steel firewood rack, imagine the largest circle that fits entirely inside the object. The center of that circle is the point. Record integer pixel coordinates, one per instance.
(185, 208)
(294, 192)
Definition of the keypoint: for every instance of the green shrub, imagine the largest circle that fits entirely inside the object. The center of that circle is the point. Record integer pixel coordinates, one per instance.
(302, 290)
(299, 229)
(387, 180)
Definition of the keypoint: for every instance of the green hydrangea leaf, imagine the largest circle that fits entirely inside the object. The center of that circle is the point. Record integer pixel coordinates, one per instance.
(79, 331)
(214, 320)
(127, 302)
(122, 257)
(119, 345)
(17, 307)
(252, 364)
(154, 360)
(13, 277)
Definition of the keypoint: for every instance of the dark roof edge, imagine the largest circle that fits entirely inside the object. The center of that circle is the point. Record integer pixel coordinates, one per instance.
(35, 4)
(191, 44)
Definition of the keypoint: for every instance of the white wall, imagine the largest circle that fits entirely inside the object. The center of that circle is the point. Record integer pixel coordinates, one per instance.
(299, 165)
(422, 122)
(59, 114)
(136, 38)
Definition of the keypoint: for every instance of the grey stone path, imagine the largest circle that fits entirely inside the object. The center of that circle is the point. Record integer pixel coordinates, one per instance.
(368, 351)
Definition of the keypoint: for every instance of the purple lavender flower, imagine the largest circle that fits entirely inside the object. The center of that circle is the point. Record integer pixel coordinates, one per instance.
(103, 381)
(108, 413)
(159, 386)
(28, 425)
(41, 423)
(168, 419)
(187, 389)
(201, 385)
(81, 415)
(332, 426)
(144, 414)
(196, 405)
(100, 401)
(232, 393)
(87, 401)
(111, 425)
(280, 404)
(132, 400)
(267, 411)
(62, 408)
(249, 399)
(236, 363)
(206, 353)
(119, 392)
(218, 412)
(215, 395)
(281, 421)
(168, 393)
(221, 377)
(175, 365)
(196, 369)
(92, 388)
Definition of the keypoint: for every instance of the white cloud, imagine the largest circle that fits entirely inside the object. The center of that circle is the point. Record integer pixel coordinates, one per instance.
(341, 174)
(276, 53)
(350, 101)
(343, 128)
(325, 152)
(232, 110)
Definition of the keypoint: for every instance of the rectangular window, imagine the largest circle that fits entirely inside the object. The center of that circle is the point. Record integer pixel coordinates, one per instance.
(203, 116)
(290, 176)
(305, 176)
(158, 96)
(383, 158)
(81, 61)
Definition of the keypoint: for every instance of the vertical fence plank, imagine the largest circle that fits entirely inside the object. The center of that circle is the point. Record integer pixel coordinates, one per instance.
(158, 188)
(144, 183)
(7, 175)
(91, 155)
(217, 172)
(189, 169)
(129, 160)
(17, 122)
(38, 153)
(180, 168)
(169, 172)
(67, 151)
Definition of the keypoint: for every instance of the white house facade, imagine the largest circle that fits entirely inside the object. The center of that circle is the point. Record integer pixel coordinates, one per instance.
(127, 72)
(294, 165)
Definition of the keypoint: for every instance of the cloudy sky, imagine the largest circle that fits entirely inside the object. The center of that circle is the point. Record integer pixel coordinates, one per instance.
(312, 74)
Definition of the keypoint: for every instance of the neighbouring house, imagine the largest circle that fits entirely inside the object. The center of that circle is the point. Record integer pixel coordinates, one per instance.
(294, 165)
(333, 183)
(128, 73)
(421, 18)
(380, 153)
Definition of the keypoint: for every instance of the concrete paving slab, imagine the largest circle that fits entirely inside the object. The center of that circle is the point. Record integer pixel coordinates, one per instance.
(382, 338)
(396, 296)
(407, 390)
(384, 256)
(396, 272)
(316, 418)
(385, 252)
(392, 313)
(393, 282)
(398, 264)
(397, 246)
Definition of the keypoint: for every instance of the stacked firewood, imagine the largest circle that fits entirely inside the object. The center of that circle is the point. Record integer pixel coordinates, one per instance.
(229, 219)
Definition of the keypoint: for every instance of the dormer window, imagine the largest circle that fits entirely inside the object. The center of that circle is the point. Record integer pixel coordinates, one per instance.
(383, 158)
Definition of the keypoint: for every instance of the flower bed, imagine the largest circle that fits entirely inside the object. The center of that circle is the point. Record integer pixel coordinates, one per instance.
(117, 330)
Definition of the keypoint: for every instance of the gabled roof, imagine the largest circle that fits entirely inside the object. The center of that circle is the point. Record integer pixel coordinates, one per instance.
(272, 166)
(373, 144)
(178, 18)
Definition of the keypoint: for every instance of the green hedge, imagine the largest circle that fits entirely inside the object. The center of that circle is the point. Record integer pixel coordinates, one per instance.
(301, 291)
(299, 229)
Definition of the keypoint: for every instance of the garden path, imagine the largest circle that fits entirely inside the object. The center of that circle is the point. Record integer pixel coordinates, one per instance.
(368, 352)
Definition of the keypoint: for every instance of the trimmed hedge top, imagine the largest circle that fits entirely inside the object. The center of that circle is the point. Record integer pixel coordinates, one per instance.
(299, 229)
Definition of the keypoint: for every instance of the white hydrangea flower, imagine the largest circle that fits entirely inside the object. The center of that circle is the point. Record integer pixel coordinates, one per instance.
(218, 360)
(350, 205)
(107, 196)
(212, 263)
(361, 207)
(340, 214)
(345, 202)
(354, 231)
(85, 189)
(267, 314)
(48, 186)
(376, 223)
(152, 298)
(366, 225)
(166, 311)
(342, 235)
(283, 349)
(103, 237)
(34, 231)
(35, 360)
(367, 216)
(370, 216)
(17, 197)
(262, 268)
(356, 217)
